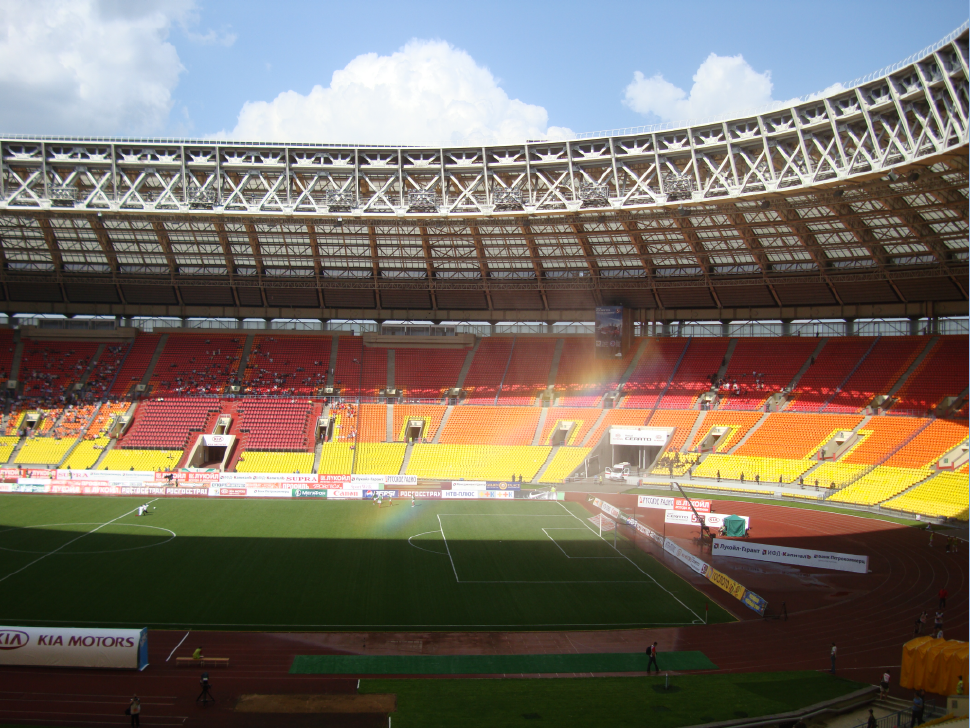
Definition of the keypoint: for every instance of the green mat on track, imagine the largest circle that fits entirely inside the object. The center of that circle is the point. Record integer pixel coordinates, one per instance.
(493, 664)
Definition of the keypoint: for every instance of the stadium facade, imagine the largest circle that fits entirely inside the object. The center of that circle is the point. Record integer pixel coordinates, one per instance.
(846, 206)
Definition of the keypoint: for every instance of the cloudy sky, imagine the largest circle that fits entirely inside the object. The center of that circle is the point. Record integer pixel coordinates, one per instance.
(429, 72)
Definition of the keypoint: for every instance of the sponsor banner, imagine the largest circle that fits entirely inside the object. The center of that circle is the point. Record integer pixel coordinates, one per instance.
(333, 478)
(44, 473)
(713, 520)
(253, 491)
(400, 480)
(308, 493)
(726, 583)
(469, 485)
(638, 436)
(654, 501)
(68, 647)
(369, 480)
(419, 494)
(467, 494)
(9, 473)
(163, 490)
(90, 489)
(217, 440)
(503, 486)
(345, 493)
(787, 555)
(223, 491)
(502, 494)
(647, 531)
(607, 508)
(369, 494)
(754, 602)
(677, 504)
(75, 489)
(686, 557)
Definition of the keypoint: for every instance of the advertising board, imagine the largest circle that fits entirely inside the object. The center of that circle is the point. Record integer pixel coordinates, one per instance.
(74, 647)
(677, 504)
(788, 555)
(345, 493)
(638, 436)
(308, 493)
(468, 485)
(499, 494)
(713, 520)
(686, 557)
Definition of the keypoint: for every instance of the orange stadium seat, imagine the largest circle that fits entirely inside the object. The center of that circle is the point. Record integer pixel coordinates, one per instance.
(477, 425)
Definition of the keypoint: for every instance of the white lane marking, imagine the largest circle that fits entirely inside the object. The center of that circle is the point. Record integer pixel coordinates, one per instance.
(176, 647)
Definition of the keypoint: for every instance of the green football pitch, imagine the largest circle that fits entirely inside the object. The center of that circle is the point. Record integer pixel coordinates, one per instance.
(328, 565)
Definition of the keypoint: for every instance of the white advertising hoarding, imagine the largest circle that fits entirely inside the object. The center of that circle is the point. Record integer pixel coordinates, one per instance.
(218, 440)
(787, 555)
(71, 647)
(687, 518)
(638, 436)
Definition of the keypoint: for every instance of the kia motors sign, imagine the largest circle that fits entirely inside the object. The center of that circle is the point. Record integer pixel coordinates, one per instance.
(651, 436)
(790, 555)
(69, 647)
(218, 440)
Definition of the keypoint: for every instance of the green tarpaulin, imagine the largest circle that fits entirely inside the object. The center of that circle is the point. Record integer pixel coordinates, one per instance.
(733, 526)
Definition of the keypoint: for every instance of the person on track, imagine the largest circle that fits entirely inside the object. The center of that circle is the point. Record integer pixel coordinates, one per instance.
(832, 656)
(652, 654)
(134, 710)
(884, 685)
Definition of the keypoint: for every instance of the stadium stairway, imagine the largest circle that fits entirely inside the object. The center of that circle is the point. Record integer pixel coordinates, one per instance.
(95, 360)
(108, 448)
(16, 449)
(673, 373)
(549, 459)
(885, 458)
(848, 376)
(389, 424)
(594, 428)
(556, 358)
(537, 437)
(914, 366)
(390, 367)
(317, 454)
(18, 353)
(693, 431)
(244, 357)
(331, 372)
(505, 372)
(408, 449)
(444, 421)
(150, 369)
(748, 434)
(468, 364)
(732, 345)
(808, 362)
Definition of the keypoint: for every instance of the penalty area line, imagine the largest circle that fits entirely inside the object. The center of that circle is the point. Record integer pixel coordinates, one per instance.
(65, 545)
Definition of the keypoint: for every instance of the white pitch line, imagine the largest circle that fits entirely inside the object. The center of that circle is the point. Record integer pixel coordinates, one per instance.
(546, 531)
(448, 549)
(65, 545)
(632, 562)
(176, 647)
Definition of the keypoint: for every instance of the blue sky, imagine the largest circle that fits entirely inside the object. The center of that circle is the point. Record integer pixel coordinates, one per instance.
(467, 72)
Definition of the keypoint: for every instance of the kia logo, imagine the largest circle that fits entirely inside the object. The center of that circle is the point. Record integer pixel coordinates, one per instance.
(11, 639)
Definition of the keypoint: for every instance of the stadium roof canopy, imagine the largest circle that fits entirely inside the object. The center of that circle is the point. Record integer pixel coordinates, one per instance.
(849, 205)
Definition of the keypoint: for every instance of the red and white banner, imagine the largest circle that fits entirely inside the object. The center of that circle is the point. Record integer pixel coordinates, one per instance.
(677, 504)
(345, 493)
(419, 494)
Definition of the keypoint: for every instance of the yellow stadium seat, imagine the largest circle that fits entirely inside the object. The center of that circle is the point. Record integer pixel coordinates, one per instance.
(7, 444)
(254, 461)
(947, 495)
(119, 459)
(44, 451)
(86, 454)
(879, 485)
(563, 463)
(477, 462)
(379, 458)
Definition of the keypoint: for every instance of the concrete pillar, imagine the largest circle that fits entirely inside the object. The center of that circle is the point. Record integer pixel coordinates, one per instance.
(725, 327)
(492, 325)
(267, 323)
(183, 321)
(786, 327)
(665, 328)
(850, 327)
(548, 327)
(935, 325)
(914, 326)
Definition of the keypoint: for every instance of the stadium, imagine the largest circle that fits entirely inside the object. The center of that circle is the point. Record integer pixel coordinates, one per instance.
(341, 412)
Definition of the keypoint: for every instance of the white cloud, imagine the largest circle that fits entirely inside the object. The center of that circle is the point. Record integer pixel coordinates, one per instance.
(79, 67)
(427, 92)
(723, 86)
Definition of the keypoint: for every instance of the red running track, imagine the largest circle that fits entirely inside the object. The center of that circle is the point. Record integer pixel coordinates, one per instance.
(869, 616)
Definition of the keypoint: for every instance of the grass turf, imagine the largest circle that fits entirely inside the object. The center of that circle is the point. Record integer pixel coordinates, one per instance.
(494, 664)
(613, 701)
(308, 564)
